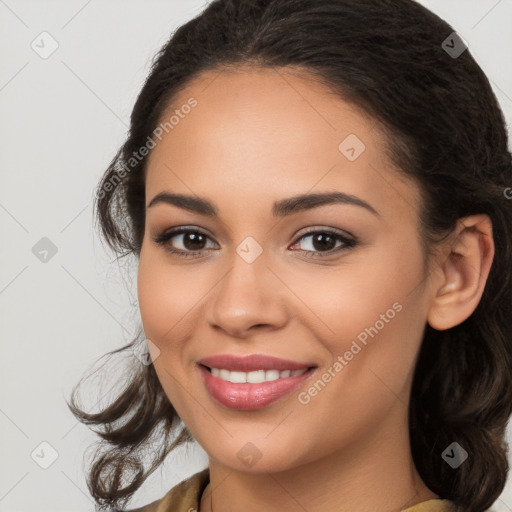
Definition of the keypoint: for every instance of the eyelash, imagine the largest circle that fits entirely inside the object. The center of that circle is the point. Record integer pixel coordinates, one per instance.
(163, 239)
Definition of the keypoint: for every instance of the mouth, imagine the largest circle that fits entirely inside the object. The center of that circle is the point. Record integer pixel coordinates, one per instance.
(255, 389)
(250, 363)
(255, 376)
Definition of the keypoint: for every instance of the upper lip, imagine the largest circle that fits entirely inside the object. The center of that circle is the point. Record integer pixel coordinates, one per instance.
(251, 363)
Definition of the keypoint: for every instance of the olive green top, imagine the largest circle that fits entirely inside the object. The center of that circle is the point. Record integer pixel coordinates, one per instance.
(186, 497)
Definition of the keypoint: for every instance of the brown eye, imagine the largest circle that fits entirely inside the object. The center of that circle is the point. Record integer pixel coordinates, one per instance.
(323, 242)
(193, 241)
(328, 242)
(185, 242)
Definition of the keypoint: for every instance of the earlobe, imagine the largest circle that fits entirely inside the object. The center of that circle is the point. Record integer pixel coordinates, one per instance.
(464, 273)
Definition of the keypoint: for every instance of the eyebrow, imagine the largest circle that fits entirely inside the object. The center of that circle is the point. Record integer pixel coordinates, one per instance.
(281, 208)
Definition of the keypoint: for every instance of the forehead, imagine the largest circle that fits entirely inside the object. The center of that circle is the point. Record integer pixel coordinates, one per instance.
(267, 134)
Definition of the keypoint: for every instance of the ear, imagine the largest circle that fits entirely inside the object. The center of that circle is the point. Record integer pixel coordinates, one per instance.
(464, 273)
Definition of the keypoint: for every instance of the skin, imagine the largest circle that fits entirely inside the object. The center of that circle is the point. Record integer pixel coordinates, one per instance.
(255, 137)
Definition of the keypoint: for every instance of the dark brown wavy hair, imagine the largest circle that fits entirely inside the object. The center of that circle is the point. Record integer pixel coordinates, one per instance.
(445, 129)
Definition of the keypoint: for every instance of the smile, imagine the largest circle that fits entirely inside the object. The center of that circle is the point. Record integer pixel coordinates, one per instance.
(251, 390)
(254, 377)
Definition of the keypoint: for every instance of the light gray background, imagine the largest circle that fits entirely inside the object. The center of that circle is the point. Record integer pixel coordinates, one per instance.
(62, 119)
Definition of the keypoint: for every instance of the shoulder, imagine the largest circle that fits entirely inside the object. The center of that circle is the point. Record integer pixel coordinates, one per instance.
(183, 497)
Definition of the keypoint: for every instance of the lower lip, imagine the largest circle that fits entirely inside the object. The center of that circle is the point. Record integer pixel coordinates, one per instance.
(246, 396)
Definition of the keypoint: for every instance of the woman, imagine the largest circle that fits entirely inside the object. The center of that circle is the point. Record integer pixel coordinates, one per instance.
(316, 194)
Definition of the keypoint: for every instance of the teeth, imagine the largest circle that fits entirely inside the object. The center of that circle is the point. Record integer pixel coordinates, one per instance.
(254, 377)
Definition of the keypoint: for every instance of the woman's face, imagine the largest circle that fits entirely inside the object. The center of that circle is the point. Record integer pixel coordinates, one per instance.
(257, 284)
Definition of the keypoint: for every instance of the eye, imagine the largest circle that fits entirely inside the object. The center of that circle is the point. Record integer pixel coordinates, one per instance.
(192, 241)
(323, 243)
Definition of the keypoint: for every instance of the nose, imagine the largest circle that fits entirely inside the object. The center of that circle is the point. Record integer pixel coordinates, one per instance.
(248, 298)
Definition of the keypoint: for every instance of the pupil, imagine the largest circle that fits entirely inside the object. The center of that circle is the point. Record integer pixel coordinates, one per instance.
(319, 241)
(194, 237)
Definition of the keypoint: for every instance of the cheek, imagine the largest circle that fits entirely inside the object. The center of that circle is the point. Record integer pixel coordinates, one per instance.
(151, 296)
(346, 300)
(372, 314)
(382, 318)
(160, 308)
(165, 295)
(169, 301)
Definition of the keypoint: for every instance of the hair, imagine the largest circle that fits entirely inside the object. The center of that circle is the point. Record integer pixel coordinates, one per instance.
(445, 131)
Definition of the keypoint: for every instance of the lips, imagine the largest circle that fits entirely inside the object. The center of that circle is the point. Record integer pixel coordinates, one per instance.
(253, 393)
(253, 363)
(251, 396)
